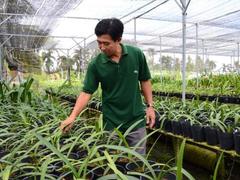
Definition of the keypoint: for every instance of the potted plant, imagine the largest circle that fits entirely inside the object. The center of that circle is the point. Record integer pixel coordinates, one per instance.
(211, 128)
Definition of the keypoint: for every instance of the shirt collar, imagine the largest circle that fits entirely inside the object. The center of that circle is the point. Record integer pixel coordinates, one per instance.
(124, 50)
(124, 53)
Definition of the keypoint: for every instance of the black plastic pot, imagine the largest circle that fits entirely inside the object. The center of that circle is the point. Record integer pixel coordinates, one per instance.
(186, 128)
(157, 119)
(198, 133)
(37, 177)
(157, 124)
(98, 172)
(56, 166)
(82, 154)
(161, 175)
(30, 159)
(73, 156)
(16, 175)
(167, 126)
(236, 136)
(2, 153)
(211, 135)
(176, 128)
(69, 176)
(95, 105)
(122, 162)
(110, 151)
(54, 169)
(132, 166)
(225, 140)
(92, 104)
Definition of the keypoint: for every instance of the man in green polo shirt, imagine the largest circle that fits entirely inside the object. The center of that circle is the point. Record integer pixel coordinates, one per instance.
(118, 69)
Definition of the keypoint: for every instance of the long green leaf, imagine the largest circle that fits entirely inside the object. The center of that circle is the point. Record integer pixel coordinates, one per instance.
(134, 153)
(57, 152)
(217, 166)
(44, 168)
(114, 176)
(112, 165)
(180, 160)
(6, 172)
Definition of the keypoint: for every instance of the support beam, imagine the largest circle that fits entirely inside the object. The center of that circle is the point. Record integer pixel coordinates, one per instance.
(160, 59)
(39, 36)
(135, 30)
(184, 14)
(1, 45)
(203, 51)
(1, 64)
(84, 53)
(238, 52)
(5, 20)
(206, 59)
(197, 68)
(49, 16)
(77, 43)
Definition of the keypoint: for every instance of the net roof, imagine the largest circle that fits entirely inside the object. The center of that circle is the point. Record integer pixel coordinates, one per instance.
(69, 24)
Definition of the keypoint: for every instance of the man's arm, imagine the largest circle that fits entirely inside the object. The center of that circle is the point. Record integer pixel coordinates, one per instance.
(147, 93)
(80, 104)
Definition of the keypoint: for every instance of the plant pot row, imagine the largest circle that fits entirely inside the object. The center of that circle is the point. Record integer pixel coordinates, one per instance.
(200, 133)
(95, 105)
(222, 99)
(97, 172)
(137, 166)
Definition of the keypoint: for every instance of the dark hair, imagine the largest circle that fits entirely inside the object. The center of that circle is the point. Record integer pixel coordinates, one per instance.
(112, 26)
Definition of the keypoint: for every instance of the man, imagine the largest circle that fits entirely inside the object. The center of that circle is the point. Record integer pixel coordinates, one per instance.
(118, 68)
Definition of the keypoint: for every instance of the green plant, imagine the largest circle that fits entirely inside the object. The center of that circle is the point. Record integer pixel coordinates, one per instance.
(214, 120)
(179, 167)
(217, 166)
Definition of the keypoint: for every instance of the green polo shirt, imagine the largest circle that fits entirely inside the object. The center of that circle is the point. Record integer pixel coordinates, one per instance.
(121, 98)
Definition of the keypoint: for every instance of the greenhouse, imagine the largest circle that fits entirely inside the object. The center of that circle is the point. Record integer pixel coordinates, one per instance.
(71, 110)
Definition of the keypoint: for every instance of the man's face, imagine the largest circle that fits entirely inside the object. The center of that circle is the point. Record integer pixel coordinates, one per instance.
(107, 45)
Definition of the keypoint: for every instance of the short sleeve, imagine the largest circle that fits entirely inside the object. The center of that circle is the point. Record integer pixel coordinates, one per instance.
(91, 82)
(144, 73)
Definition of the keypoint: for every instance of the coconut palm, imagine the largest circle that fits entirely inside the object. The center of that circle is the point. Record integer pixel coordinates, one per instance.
(78, 57)
(48, 60)
(66, 63)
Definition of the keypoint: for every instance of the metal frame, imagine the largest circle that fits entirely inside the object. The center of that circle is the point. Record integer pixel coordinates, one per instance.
(135, 15)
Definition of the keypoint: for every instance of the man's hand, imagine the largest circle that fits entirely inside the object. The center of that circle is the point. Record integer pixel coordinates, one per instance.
(67, 124)
(150, 115)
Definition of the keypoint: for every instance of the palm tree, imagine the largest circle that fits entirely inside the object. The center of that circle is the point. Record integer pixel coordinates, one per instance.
(78, 58)
(210, 65)
(82, 57)
(66, 63)
(48, 61)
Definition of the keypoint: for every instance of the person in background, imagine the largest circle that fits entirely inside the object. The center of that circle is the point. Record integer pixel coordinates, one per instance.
(122, 72)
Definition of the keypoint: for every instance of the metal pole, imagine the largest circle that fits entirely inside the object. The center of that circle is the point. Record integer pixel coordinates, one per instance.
(238, 52)
(184, 14)
(1, 64)
(206, 59)
(135, 30)
(84, 54)
(174, 67)
(68, 68)
(196, 65)
(160, 58)
(5, 20)
(203, 54)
